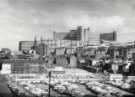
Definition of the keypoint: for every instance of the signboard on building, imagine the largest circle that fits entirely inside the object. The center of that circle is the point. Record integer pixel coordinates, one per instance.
(69, 50)
(60, 51)
(58, 70)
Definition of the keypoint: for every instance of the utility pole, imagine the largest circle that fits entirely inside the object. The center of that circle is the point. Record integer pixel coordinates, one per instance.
(49, 83)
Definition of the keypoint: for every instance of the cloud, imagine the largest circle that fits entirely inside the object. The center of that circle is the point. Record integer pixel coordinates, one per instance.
(102, 23)
(23, 19)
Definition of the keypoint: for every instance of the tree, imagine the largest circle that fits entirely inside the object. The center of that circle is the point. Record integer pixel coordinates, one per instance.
(5, 53)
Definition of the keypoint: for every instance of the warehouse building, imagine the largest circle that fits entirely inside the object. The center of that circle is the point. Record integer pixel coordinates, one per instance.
(108, 36)
(25, 45)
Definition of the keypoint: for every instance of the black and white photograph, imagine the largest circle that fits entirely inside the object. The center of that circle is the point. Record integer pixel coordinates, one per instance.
(67, 48)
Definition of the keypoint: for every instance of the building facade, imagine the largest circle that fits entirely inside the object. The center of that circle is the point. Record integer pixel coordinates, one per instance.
(25, 45)
(108, 36)
(78, 34)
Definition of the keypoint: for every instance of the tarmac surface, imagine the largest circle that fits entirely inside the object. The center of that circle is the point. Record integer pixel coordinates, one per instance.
(4, 90)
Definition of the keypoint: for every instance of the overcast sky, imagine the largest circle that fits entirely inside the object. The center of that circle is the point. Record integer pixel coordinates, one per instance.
(23, 19)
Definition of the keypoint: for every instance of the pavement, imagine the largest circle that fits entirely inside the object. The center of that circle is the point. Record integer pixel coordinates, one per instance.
(4, 90)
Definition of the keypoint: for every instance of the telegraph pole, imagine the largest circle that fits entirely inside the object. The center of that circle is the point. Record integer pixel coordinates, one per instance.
(49, 83)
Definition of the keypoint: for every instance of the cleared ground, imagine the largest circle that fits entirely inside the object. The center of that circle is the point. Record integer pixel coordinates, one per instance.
(4, 90)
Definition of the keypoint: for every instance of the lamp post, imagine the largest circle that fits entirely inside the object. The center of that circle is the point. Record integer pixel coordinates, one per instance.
(49, 83)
